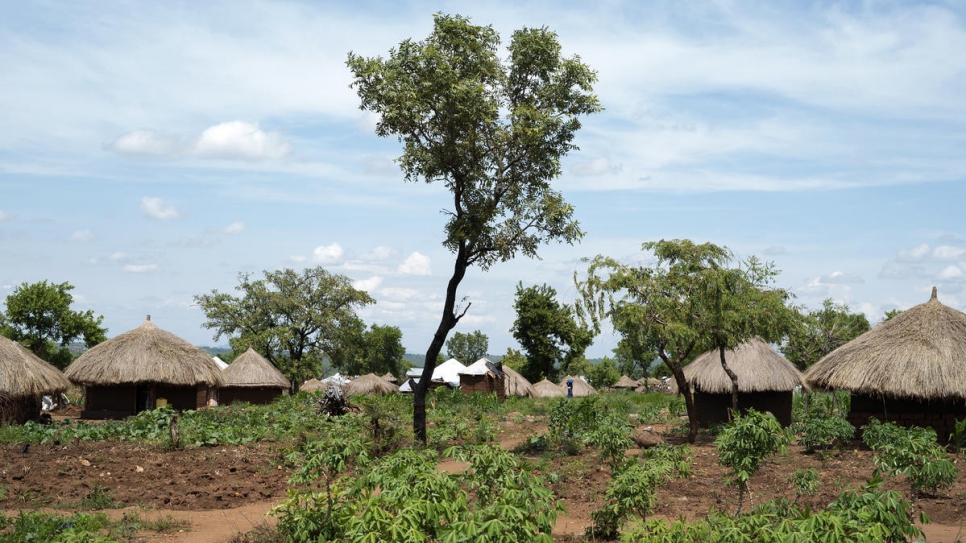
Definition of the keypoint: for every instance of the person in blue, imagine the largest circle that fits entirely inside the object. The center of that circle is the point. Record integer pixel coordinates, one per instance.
(570, 388)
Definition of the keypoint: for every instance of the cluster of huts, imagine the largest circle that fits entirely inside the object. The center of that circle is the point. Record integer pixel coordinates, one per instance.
(910, 369)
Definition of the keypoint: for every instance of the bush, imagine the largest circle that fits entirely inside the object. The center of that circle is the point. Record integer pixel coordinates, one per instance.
(912, 451)
(823, 431)
(744, 444)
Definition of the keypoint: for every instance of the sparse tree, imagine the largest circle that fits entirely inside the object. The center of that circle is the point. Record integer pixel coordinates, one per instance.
(820, 332)
(492, 131)
(292, 318)
(38, 315)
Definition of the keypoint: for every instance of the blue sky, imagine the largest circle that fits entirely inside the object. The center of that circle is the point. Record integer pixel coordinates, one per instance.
(152, 151)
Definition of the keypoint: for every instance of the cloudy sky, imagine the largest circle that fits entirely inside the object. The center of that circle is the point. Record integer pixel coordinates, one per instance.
(153, 151)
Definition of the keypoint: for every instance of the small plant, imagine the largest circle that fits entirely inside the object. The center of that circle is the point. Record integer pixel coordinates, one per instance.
(745, 443)
(957, 439)
(612, 439)
(99, 497)
(804, 481)
(912, 451)
(485, 431)
(823, 431)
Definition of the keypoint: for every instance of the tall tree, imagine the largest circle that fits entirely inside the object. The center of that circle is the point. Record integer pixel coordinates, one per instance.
(633, 360)
(38, 315)
(292, 318)
(467, 348)
(821, 331)
(548, 333)
(492, 131)
(685, 303)
(376, 350)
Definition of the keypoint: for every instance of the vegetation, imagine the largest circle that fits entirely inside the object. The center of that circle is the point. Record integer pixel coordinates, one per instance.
(745, 443)
(294, 319)
(820, 332)
(602, 374)
(467, 348)
(823, 426)
(910, 451)
(492, 131)
(546, 330)
(376, 350)
(38, 315)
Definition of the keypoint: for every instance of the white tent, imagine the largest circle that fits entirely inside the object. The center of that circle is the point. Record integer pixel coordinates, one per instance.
(448, 372)
(220, 363)
(477, 368)
(336, 379)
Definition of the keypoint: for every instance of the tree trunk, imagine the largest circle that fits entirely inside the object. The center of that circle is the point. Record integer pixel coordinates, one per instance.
(446, 323)
(734, 380)
(685, 390)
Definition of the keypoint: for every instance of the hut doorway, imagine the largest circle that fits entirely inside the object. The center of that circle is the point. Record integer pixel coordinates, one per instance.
(145, 398)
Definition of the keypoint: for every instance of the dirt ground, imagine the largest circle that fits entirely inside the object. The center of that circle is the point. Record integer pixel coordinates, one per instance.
(223, 491)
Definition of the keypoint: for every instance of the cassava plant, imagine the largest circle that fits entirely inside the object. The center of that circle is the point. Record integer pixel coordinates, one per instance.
(745, 443)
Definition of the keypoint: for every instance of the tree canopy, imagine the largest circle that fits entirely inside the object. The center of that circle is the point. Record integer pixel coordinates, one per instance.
(38, 315)
(376, 350)
(467, 347)
(548, 333)
(492, 131)
(292, 318)
(689, 301)
(821, 331)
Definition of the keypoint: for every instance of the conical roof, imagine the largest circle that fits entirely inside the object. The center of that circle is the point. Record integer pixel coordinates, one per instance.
(920, 353)
(253, 370)
(625, 382)
(548, 389)
(515, 384)
(23, 374)
(370, 383)
(390, 378)
(146, 354)
(759, 369)
(581, 387)
(313, 385)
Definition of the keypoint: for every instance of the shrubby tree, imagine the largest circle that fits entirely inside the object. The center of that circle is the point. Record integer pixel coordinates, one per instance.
(514, 359)
(632, 360)
(820, 332)
(292, 318)
(603, 373)
(549, 334)
(467, 348)
(378, 350)
(493, 131)
(38, 315)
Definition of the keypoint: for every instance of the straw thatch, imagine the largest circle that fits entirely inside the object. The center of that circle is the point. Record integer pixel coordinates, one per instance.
(23, 374)
(580, 387)
(759, 369)
(547, 389)
(146, 354)
(515, 384)
(390, 378)
(919, 354)
(625, 382)
(314, 385)
(253, 370)
(370, 383)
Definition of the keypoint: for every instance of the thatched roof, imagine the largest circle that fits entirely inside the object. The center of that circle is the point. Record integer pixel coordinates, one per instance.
(547, 389)
(23, 374)
(313, 385)
(390, 378)
(759, 369)
(515, 384)
(918, 354)
(146, 354)
(581, 387)
(370, 383)
(625, 382)
(253, 370)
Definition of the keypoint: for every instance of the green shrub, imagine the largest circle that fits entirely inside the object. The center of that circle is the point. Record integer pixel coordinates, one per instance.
(744, 444)
(823, 431)
(804, 481)
(912, 451)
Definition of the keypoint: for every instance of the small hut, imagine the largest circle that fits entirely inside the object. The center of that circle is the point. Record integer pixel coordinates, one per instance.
(314, 385)
(581, 387)
(484, 376)
(253, 379)
(625, 383)
(766, 382)
(548, 389)
(143, 369)
(515, 384)
(24, 379)
(390, 378)
(370, 383)
(910, 369)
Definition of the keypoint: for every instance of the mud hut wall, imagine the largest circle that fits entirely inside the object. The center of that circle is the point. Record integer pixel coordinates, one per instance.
(252, 395)
(19, 410)
(483, 383)
(713, 408)
(182, 397)
(109, 402)
(938, 415)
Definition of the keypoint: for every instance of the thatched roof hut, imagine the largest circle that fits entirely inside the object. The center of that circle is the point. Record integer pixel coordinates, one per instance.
(370, 383)
(142, 369)
(253, 379)
(517, 385)
(651, 384)
(625, 382)
(548, 389)
(766, 381)
(910, 369)
(390, 378)
(314, 385)
(580, 387)
(24, 379)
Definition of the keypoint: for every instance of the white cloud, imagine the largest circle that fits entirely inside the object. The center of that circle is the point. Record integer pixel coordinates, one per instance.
(233, 228)
(947, 253)
(368, 285)
(841, 278)
(327, 254)
(595, 167)
(140, 268)
(117, 256)
(145, 143)
(397, 294)
(775, 250)
(951, 274)
(4, 217)
(82, 236)
(240, 140)
(155, 208)
(415, 264)
(916, 253)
